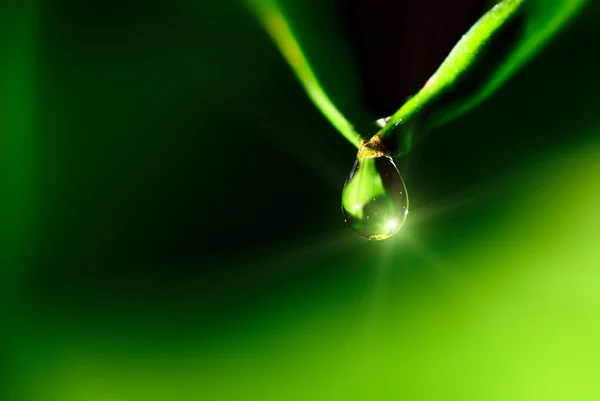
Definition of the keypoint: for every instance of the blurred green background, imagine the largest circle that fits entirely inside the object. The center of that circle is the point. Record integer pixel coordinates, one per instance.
(171, 227)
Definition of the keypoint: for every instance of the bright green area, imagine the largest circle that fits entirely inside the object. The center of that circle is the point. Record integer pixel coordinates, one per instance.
(512, 315)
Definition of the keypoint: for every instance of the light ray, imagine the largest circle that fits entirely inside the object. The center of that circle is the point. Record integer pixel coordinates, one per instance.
(261, 265)
(432, 259)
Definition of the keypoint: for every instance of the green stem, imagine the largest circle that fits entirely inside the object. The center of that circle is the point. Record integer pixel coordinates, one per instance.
(493, 49)
(506, 37)
(279, 29)
(468, 61)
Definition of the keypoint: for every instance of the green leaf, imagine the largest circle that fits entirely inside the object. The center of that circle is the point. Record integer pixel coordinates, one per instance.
(279, 28)
(504, 39)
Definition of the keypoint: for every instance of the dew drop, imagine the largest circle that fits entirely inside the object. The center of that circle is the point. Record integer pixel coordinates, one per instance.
(374, 199)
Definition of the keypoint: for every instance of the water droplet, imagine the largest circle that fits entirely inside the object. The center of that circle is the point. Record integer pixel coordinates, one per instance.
(375, 185)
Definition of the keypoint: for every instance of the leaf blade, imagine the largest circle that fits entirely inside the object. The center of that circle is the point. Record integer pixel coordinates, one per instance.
(276, 25)
(536, 20)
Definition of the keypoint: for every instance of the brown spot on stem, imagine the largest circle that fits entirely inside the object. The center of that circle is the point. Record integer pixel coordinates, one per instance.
(373, 148)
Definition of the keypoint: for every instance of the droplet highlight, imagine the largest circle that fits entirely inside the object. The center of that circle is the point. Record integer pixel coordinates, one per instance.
(374, 198)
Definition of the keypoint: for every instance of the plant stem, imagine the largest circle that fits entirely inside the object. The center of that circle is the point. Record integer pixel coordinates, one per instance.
(493, 49)
(506, 37)
(468, 59)
(279, 29)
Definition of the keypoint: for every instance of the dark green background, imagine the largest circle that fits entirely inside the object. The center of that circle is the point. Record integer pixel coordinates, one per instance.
(172, 226)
